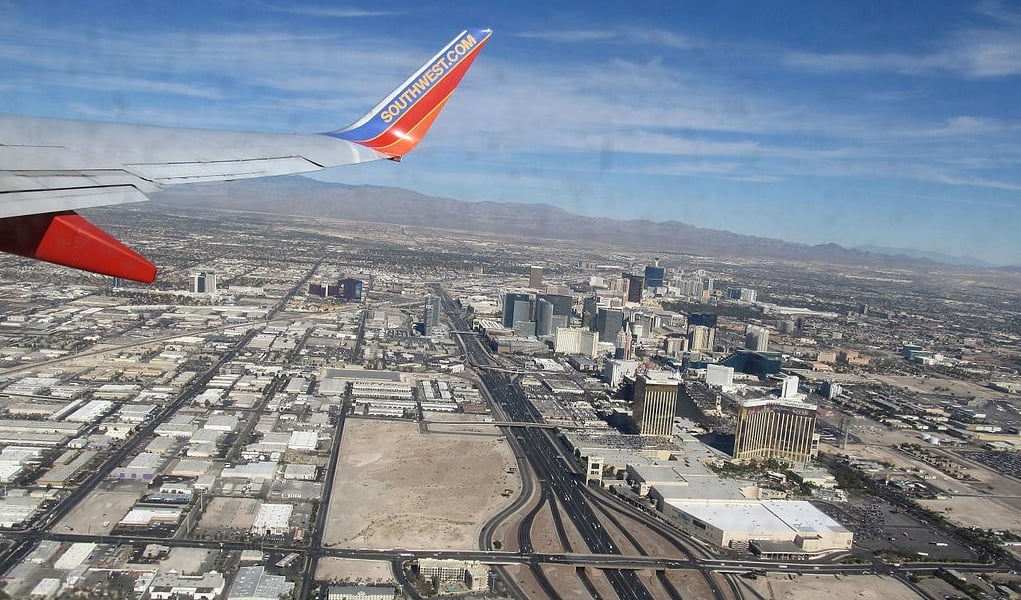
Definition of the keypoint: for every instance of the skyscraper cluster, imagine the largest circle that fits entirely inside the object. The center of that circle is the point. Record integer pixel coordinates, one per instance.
(347, 289)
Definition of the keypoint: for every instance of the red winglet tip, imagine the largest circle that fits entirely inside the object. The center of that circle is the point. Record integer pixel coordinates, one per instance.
(66, 238)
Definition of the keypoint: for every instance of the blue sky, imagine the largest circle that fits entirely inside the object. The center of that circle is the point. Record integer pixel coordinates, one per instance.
(893, 124)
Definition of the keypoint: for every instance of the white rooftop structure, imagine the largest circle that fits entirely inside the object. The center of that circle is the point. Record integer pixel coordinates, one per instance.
(724, 523)
(303, 440)
(253, 583)
(255, 471)
(74, 556)
(273, 518)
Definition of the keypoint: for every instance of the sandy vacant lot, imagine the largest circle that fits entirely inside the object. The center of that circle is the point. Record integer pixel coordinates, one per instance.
(399, 488)
(929, 384)
(225, 514)
(108, 503)
(353, 570)
(811, 587)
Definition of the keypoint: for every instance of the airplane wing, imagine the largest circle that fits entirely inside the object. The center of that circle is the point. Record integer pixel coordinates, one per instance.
(51, 167)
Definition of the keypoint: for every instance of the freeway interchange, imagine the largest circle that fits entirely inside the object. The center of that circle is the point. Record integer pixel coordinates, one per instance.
(551, 478)
(604, 542)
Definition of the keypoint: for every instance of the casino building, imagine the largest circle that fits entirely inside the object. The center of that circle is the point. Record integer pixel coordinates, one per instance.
(776, 428)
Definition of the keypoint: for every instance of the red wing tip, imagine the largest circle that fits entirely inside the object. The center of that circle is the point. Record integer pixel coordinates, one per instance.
(66, 238)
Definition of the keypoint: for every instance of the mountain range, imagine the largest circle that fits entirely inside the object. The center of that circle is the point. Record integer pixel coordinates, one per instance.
(302, 196)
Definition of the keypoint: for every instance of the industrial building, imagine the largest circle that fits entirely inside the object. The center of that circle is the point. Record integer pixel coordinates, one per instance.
(361, 592)
(273, 519)
(253, 583)
(172, 584)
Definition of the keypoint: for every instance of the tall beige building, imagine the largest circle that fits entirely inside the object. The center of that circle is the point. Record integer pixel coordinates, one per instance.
(656, 402)
(775, 428)
(535, 278)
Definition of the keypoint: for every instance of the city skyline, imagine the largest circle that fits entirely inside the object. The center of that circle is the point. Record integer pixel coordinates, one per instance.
(863, 125)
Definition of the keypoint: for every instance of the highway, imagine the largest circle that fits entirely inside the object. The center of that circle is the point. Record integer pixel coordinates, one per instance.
(560, 484)
(550, 479)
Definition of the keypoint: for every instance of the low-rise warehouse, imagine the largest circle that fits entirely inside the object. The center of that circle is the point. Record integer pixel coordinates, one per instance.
(789, 527)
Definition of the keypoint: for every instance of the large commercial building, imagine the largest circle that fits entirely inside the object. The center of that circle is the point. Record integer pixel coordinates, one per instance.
(775, 428)
(350, 289)
(562, 303)
(656, 402)
(254, 583)
(773, 528)
(719, 376)
(473, 573)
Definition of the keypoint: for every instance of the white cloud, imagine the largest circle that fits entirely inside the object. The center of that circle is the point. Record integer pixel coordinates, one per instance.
(651, 37)
(971, 53)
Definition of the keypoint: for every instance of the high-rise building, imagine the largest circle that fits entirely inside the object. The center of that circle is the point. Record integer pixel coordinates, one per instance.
(634, 286)
(654, 275)
(789, 388)
(719, 376)
(588, 312)
(535, 277)
(656, 402)
(675, 344)
(543, 317)
(576, 341)
(705, 319)
(756, 338)
(690, 287)
(563, 304)
(203, 282)
(609, 322)
(431, 318)
(701, 338)
(615, 370)
(831, 389)
(744, 294)
(516, 307)
(775, 428)
(624, 344)
(350, 289)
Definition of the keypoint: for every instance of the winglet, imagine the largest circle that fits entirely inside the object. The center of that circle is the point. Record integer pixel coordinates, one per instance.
(399, 122)
(66, 238)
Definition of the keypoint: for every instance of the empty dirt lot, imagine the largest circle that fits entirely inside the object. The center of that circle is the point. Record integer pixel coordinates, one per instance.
(811, 587)
(399, 488)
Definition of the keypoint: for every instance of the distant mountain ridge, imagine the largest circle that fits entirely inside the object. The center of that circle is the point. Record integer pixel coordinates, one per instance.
(301, 196)
(939, 257)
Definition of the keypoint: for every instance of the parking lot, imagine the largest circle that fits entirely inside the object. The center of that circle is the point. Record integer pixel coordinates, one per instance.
(1007, 463)
(878, 527)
